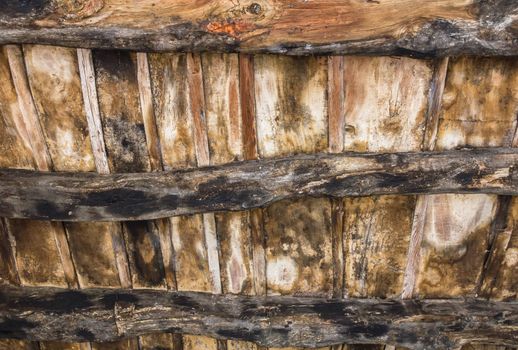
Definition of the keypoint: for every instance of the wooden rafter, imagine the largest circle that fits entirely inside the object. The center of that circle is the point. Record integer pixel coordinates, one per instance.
(250, 184)
(40, 313)
(419, 28)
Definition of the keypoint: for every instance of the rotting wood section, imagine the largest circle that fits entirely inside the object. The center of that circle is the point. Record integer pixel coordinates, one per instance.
(416, 28)
(38, 313)
(250, 184)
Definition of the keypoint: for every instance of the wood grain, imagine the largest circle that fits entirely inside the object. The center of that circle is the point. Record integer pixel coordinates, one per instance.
(251, 184)
(107, 315)
(419, 28)
(175, 109)
(384, 105)
(479, 109)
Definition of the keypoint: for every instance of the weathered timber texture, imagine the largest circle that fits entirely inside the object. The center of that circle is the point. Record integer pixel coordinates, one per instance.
(478, 109)
(105, 315)
(385, 101)
(420, 28)
(249, 184)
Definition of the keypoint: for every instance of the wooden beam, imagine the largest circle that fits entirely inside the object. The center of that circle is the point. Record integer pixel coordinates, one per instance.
(41, 313)
(389, 27)
(251, 184)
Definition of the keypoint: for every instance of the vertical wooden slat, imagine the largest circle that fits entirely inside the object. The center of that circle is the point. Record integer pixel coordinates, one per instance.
(93, 116)
(385, 108)
(457, 228)
(51, 345)
(54, 237)
(336, 116)
(223, 117)
(14, 152)
(148, 114)
(498, 279)
(27, 108)
(110, 234)
(175, 126)
(432, 122)
(249, 140)
(201, 146)
(291, 109)
(336, 109)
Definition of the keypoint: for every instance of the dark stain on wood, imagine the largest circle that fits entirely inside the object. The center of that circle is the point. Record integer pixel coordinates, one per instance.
(144, 255)
(40, 313)
(249, 184)
(123, 127)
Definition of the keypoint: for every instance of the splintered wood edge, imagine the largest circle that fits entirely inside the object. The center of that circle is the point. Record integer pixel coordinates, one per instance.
(252, 184)
(41, 313)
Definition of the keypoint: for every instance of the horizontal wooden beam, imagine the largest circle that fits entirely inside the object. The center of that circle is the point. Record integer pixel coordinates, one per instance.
(39, 313)
(250, 184)
(386, 27)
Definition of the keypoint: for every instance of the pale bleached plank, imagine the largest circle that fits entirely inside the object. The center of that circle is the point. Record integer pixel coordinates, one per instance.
(86, 69)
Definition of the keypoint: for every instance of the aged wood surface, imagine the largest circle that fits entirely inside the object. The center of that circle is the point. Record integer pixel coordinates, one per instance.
(249, 184)
(384, 105)
(479, 108)
(291, 107)
(107, 314)
(430, 27)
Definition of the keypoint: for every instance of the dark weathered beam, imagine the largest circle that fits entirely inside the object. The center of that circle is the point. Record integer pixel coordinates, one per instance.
(38, 313)
(389, 27)
(245, 185)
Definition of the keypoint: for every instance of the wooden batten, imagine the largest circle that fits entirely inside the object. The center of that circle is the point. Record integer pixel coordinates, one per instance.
(225, 199)
(415, 28)
(106, 315)
(252, 184)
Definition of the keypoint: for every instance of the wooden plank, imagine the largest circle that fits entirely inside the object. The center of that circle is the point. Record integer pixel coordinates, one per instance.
(160, 341)
(428, 27)
(15, 147)
(9, 344)
(479, 110)
(126, 108)
(385, 105)
(92, 250)
(131, 343)
(124, 133)
(15, 152)
(224, 130)
(291, 109)
(123, 127)
(435, 96)
(36, 253)
(54, 81)
(499, 281)
(110, 266)
(50, 246)
(175, 125)
(251, 184)
(29, 114)
(53, 345)
(107, 314)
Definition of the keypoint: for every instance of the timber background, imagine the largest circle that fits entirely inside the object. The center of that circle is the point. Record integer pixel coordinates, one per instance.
(80, 110)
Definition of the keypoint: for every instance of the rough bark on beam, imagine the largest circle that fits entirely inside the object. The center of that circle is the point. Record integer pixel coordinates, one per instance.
(40, 313)
(390, 27)
(250, 184)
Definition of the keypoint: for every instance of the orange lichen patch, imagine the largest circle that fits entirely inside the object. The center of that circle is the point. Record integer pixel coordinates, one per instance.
(230, 27)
